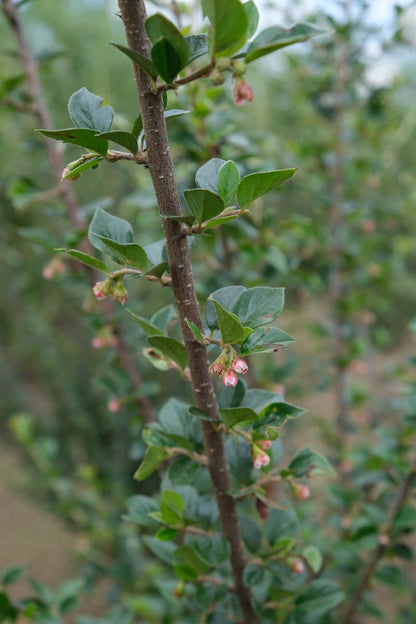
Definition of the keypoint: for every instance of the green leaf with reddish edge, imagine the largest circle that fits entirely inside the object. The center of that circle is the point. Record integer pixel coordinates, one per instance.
(257, 184)
(125, 139)
(195, 331)
(166, 60)
(171, 507)
(229, 25)
(203, 204)
(308, 463)
(228, 181)
(127, 253)
(82, 137)
(265, 340)
(231, 329)
(137, 58)
(242, 416)
(86, 111)
(91, 163)
(159, 27)
(277, 37)
(198, 46)
(85, 259)
(147, 326)
(170, 347)
(258, 306)
(252, 17)
(153, 458)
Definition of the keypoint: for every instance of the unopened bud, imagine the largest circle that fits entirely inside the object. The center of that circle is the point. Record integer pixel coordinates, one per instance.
(119, 292)
(114, 406)
(265, 445)
(260, 458)
(230, 380)
(101, 289)
(217, 77)
(302, 492)
(239, 67)
(240, 366)
(297, 566)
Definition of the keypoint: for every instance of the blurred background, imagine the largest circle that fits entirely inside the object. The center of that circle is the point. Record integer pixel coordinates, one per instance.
(74, 385)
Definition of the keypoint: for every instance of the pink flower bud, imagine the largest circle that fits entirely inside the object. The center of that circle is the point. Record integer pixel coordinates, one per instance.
(114, 406)
(257, 463)
(384, 539)
(48, 272)
(240, 367)
(97, 342)
(264, 458)
(99, 290)
(297, 566)
(230, 380)
(265, 445)
(346, 522)
(242, 92)
(302, 492)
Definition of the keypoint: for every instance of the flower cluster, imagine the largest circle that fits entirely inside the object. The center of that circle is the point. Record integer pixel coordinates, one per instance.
(111, 287)
(242, 92)
(259, 453)
(228, 365)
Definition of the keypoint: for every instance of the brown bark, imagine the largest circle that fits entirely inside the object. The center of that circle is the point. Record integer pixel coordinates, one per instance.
(133, 14)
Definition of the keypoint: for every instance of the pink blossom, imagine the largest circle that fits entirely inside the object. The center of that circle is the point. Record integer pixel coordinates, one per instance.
(265, 445)
(260, 458)
(298, 566)
(98, 291)
(302, 492)
(240, 366)
(242, 92)
(97, 342)
(257, 463)
(230, 379)
(48, 272)
(114, 406)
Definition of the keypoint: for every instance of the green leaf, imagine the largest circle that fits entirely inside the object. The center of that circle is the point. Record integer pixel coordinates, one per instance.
(252, 17)
(213, 550)
(138, 508)
(78, 136)
(229, 25)
(314, 557)
(159, 27)
(198, 46)
(207, 176)
(8, 613)
(171, 507)
(147, 327)
(170, 347)
(226, 296)
(8, 576)
(256, 184)
(319, 596)
(137, 126)
(162, 317)
(277, 413)
(231, 329)
(166, 534)
(175, 112)
(308, 463)
(85, 259)
(125, 139)
(258, 306)
(86, 111)
(163, 550)
(154, 456)
(258, 399)
(166, 60)
(183, 471)
(195, 331)
(242, 416)
(203, 204)
(187, 556)
(137, 58)
(277, 37)
(195, 411)
(228, 181)
(219, 221)
(90, 163)
(265, 340)
(127, 253)
(110, 227)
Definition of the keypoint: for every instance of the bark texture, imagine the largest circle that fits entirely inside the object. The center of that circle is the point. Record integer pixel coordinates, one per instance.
(133, 14)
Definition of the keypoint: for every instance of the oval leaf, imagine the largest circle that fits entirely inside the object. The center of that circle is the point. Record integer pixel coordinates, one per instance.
(137, 58)
(228, 181)
(256, 184)
(86, 111)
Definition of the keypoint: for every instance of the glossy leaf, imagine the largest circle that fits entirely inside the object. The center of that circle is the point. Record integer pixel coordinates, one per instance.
(159, 27)
(175, 112)
(228, 181)
(91, 163)
(219, 221)
(196, 331)
(85, 259)
(242, 416)
(319, 596)
(266, 340)
(308, 463)
(153, 458)
(127, 253)
(231, 329)
(171, 507)
(278, 413)
(257, 184)
(229, 25)
(277, 37)
(147, 326)
(137, 58)
(170, 347)
(226, 297)
(203, 204)
(125, 139)
(79, 136)
(252, 17)
(166, 60)
(86, 111)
